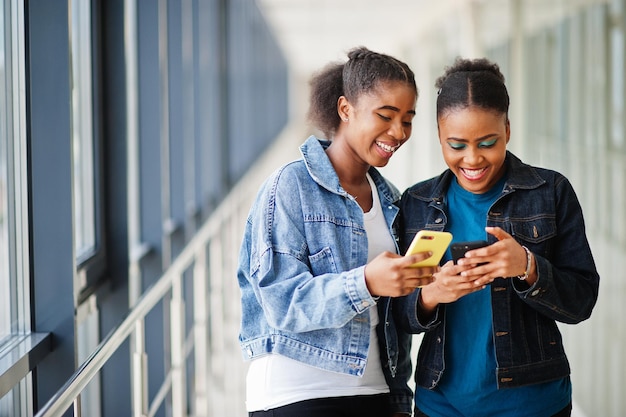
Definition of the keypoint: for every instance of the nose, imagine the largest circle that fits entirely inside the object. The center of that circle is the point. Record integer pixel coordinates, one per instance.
(472, 156)
(397, 131)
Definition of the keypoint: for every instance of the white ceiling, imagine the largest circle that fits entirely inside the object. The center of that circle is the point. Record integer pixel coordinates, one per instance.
(314, 32)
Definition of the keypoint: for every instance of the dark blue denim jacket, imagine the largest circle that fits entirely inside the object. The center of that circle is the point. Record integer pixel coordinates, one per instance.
(539, 208)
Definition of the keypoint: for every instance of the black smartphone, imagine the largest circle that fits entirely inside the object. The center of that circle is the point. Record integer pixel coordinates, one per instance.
(458, 249)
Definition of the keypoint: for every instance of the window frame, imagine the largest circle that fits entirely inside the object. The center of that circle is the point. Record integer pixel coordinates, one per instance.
(17, 184)
(91, 265)
(20, 350)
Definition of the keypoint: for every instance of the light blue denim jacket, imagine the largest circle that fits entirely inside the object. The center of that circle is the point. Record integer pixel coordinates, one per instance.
(301, 274)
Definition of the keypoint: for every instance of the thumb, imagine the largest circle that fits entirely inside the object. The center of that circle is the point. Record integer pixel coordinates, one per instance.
(417, 257)
(497, 232)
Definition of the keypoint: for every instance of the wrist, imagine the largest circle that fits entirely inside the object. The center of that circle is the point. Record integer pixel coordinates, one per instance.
(527, 270)
(425, 308)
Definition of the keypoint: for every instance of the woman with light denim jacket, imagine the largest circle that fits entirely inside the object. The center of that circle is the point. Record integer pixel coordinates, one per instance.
(319, 258)
(491, 344)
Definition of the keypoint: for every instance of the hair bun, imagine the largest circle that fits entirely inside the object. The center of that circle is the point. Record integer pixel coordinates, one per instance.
(359, 52)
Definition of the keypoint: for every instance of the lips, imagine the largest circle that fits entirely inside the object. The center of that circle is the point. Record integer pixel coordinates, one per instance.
(473, 174)
(387, 148)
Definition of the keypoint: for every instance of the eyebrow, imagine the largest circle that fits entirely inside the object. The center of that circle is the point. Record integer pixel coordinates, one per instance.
(490, 135)
(392, 108)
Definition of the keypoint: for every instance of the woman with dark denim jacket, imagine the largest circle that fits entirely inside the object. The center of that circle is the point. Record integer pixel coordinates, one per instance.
(320, 249)
(491, 345)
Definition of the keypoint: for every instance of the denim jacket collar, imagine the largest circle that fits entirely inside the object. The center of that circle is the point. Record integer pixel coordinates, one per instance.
(520, 176)
(321, 170)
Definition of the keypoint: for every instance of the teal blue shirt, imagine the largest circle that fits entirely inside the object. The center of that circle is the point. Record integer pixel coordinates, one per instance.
(468, 386)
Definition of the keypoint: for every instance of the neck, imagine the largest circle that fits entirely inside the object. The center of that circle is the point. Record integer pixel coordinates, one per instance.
(349, 168)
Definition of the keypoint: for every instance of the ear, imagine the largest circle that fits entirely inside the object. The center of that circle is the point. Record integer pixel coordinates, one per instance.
(343, 108)
(508, 130)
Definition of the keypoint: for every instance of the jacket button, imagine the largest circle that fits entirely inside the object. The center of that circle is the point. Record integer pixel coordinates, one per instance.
(439, 220)
(249, 351)
(438, 339)
(535, 293)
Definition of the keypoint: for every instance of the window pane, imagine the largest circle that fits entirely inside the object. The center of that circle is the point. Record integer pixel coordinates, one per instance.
(82, 129)
(14, 293)
(14, 271)
(5, 312)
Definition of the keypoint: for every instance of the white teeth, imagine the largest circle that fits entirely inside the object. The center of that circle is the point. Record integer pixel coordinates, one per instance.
(386, 147)
(473, 172)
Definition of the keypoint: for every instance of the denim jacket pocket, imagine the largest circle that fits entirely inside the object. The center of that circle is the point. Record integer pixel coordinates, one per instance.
(535, 229)
(323, 262)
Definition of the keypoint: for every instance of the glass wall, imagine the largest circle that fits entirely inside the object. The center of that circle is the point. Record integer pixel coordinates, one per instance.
(14, 296)
(82, 129)
(14, 316)
(135, 135)
(4, 210)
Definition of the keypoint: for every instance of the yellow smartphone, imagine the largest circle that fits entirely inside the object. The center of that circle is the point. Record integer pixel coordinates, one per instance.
(430, 240)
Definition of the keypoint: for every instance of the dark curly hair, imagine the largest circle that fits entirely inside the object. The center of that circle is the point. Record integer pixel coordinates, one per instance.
(472, 82)
(362, 73)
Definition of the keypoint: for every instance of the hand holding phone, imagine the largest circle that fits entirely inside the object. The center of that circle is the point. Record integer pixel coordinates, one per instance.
(429, 241)
(458, 249)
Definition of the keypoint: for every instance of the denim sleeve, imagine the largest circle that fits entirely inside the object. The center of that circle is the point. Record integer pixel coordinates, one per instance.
(293, 298)
(567, 286)
(405, 311)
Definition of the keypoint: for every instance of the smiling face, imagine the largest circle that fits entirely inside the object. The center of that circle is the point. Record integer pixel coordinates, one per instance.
(378, 123)
(473, 142)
